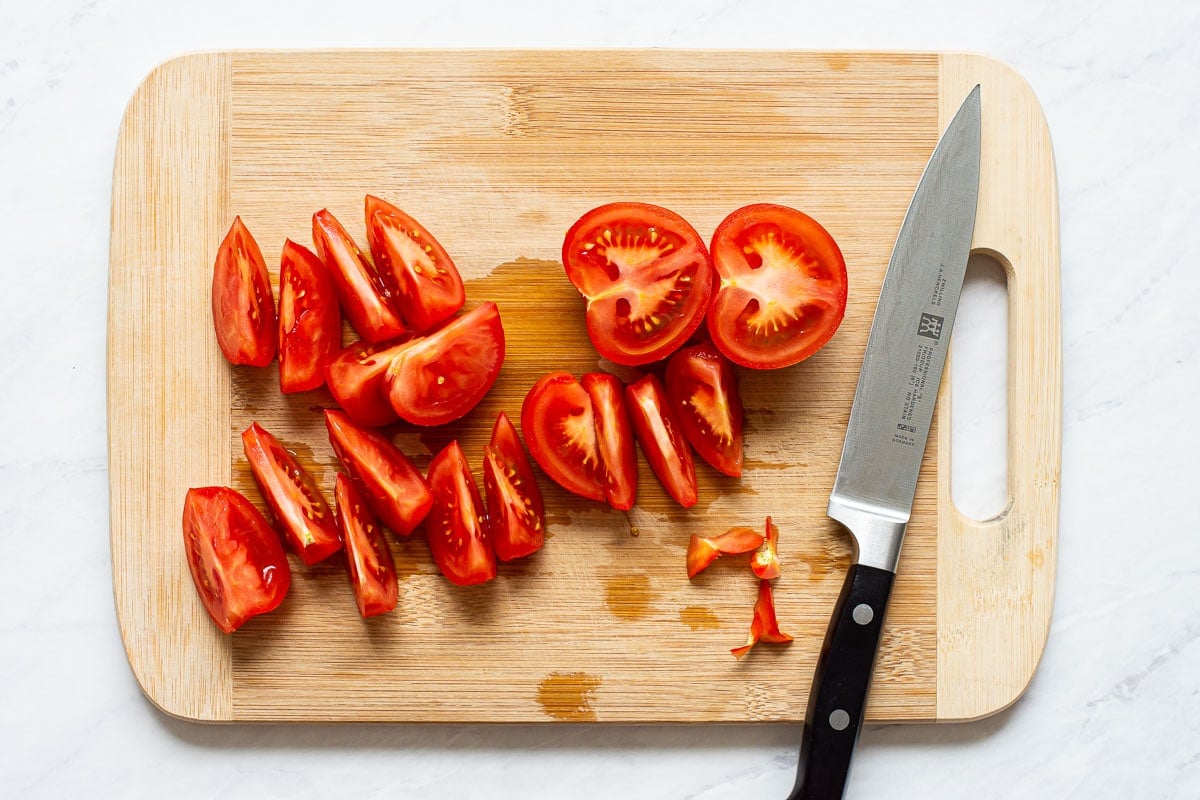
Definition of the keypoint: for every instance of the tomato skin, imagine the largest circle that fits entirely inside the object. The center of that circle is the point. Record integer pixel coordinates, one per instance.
(765, 563)
(234, 555)
(516, 514)
(559, 426)
(659, 433)
(359, 288)
(442, 375)
(424, 283)
(764, 627)
(457, 537)
(391, 485)
(646, 275)
(357, 379)
(702, 390)
(292, 495)
(368, 559)
(614, 437)
(782, 286)
(310, 322)
(703, 550)
(243, 306)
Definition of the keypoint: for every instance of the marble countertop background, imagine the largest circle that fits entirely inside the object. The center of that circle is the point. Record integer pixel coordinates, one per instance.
(1114, 710)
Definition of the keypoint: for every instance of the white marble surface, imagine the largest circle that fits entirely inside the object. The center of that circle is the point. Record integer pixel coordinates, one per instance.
(1114, 711)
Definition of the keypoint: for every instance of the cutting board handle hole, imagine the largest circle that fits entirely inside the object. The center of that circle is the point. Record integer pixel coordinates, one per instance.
(979, 392)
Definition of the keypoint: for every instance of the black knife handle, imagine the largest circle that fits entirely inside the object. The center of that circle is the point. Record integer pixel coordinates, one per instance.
(839, 692)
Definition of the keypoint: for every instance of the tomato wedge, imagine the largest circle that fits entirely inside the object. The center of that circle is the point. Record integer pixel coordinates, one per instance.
(424, 283)
(614, 438)
(457, 537)
(357, 378)
(393, 488)
(292, 495)
(242, 304)
(516, 516)
(703, 391)
(765, 563)
(310, 323)
(646, 275)
(560, 429)
(234, 555)
(703, 550)
(439, 377)
(782, 291)
(764, 627)
(368, 559)
(359, 288)
(659, 433)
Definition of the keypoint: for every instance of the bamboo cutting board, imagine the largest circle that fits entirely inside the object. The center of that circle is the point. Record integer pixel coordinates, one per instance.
(497, 153)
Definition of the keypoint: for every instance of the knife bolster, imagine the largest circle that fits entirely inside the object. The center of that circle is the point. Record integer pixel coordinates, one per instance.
(878, 532)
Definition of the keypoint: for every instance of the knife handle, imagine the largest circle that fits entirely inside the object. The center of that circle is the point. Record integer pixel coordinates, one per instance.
(839, 692)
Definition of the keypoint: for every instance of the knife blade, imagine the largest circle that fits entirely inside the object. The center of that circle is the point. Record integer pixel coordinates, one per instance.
(885, 441)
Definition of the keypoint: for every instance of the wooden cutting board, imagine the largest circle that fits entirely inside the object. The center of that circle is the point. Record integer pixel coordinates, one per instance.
(498, 153)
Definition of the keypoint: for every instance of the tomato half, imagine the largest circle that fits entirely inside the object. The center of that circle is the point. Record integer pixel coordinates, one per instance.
(457, 537)
(646, 276)
(782, 286)
(703, 550)
(361, 292)
(560, 429)
(368, 559)
(704, 394)
(310, 323)
(614, 438)
(662, 441)
(234, 555)
(292, 495)
(242, 304)
(764, 627)
(393, 488)
(357, 379)
(424, 283)
(516, 516)
(439, 377)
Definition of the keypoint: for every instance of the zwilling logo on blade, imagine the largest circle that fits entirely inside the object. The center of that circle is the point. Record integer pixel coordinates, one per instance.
(931, 326)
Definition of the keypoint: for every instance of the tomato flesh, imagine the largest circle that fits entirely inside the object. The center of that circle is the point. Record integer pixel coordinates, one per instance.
(243, 306)
(457, 537)
(658, 431)
(764, 627)
(234, 555)
(703, 392)
(765, 563)
(782, 287)
(292, 495)
(560, 429)
(703, 550)
(357, 379)
(646, 275)
(614, 438)
(360, 291)
(368, 559)
(516, 515)
(310, 323)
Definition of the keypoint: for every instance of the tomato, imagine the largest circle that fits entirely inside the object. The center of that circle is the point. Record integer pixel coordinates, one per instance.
(424, 283)
(764, 627)
(357, 379)
(368, 559)
(393, 488)
(560, 429)
(457, 537)
(703, 392)
(516, 516)
(242, 304)
(782, 291)
(310, 323)
(441, 376)
(703, 550)
(234, 555)
(614, 438)
(765, 562)
(359, 288)
(292, 496)
(659, 433)
(646, 276)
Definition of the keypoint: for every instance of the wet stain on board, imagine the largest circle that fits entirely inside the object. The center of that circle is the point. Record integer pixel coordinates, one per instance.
(568, 696)
(629, 597)
(699, 618)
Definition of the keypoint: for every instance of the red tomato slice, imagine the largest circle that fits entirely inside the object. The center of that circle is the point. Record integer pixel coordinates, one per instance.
(516, 516)
(310, 323)
(703, 550)
(614, 438)
(242, 304)
(560, 429)
(359, 289)
(234, 555)
(455, 529)
(368, 559)
(782, 286)
(357, 379)
(764, 627)
(659, 433)
(439, 377)
(424, 283)
(292, 495)
(703, 391)
(765, 563)
(646, 275)
(393, 488)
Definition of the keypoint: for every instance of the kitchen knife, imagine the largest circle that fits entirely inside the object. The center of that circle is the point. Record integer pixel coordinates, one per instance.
(885, 441)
